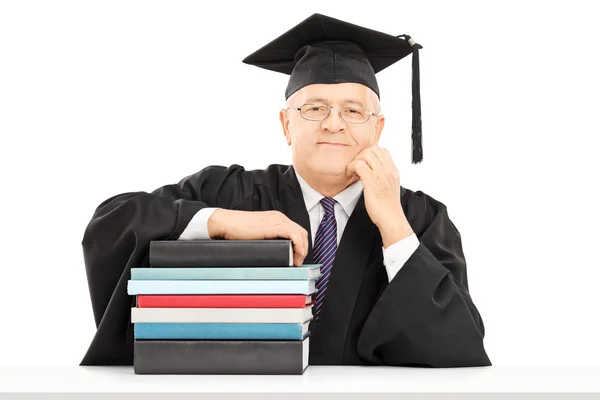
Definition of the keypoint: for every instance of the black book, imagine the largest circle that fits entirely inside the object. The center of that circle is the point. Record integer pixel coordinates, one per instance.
(221, 253)
(221, 357)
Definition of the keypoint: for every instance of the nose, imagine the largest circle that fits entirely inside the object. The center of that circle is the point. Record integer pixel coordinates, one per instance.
(334, 121)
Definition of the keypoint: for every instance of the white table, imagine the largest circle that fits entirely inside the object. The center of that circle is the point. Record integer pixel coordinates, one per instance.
(331, 380)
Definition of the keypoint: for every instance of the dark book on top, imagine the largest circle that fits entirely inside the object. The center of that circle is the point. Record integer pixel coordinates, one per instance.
(221, 253)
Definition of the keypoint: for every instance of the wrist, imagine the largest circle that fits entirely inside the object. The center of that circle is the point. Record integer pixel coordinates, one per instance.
(216, 225)
(394, 230)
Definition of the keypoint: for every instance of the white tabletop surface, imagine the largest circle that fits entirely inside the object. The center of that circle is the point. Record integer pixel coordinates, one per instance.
(331, 379)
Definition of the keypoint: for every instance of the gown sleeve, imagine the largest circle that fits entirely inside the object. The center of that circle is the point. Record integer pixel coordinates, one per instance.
(118, 238)
(425, 316)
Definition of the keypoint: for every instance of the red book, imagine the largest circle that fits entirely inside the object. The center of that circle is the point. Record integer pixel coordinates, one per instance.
(224, 301)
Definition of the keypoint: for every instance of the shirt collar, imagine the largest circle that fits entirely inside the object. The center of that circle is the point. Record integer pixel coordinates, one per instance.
(347, 197)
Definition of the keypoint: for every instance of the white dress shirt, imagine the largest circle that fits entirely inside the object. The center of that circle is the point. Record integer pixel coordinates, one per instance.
(394, 257)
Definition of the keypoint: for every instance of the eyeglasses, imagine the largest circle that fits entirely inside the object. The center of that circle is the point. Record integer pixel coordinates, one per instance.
(318, 112)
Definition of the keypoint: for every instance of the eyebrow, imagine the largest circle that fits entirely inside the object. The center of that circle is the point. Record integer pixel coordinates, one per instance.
(322, 100)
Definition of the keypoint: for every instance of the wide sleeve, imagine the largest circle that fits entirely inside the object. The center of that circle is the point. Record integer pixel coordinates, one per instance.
(118, 238)
(425, 316)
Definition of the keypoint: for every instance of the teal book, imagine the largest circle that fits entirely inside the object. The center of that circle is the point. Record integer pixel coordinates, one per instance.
(220, 331)
(304, 272)
(305, 287)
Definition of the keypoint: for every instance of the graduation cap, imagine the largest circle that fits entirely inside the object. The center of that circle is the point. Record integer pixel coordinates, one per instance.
(322, 49)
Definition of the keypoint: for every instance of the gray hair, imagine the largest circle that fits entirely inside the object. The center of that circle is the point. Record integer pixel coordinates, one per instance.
(376, 101)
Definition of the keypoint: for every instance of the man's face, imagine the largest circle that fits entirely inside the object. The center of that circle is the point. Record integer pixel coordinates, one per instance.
(328, 146)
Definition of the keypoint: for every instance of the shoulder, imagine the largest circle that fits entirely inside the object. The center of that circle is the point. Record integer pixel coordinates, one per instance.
(421, 208)
(266, 176)
(419, 198)
(275, 177)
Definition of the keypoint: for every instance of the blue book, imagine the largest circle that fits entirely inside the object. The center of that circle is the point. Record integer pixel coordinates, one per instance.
(223, 331)
(304, 272)
(221, 287)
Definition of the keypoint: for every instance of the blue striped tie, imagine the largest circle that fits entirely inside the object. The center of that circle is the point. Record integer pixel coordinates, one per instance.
(324, 251)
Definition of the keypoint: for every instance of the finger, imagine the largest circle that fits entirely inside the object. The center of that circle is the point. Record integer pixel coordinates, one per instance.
(387, 154)
(304, 239)
(383, 155)
(298, 261)
(304, 235)
(369, 155)
(301, 235)
(372, 160)
(288, 231)
(298, 248)
(362, 169)
(306, 242)
(350, 169)
(351, 163)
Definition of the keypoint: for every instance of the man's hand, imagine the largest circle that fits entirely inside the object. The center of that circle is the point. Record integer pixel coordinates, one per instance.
(381, 185)
(257, 225)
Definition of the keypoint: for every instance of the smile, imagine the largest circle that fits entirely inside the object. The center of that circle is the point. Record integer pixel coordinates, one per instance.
(333, 144)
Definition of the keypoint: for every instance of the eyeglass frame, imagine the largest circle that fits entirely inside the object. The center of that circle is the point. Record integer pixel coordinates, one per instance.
(370, 113)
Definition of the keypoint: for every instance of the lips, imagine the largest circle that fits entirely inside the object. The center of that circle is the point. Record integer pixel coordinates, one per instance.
(333, 144)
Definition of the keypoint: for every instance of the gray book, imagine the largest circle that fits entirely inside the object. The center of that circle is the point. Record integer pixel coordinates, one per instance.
(221, 357)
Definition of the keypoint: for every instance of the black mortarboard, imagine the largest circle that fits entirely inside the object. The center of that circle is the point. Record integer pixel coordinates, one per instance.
(322, 49)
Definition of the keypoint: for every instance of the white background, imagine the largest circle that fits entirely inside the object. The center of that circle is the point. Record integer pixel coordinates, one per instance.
(100, 98)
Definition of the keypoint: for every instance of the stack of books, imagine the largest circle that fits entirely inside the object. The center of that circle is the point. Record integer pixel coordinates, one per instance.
(222, 307)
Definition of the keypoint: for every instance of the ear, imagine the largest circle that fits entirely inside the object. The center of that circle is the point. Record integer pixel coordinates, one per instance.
(285, 124)
(379, 127)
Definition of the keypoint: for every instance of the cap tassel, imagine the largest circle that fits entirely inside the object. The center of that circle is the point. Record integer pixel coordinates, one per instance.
(417, 150)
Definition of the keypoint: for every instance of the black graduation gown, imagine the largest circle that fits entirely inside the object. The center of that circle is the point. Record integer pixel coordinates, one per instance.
(424, 317)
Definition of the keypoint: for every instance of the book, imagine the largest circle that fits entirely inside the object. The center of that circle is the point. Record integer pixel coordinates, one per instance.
(222, 315)
(221, 287)
(221, 253)
(222, 357)
(224, 301)
(304, 272)
(219, 331)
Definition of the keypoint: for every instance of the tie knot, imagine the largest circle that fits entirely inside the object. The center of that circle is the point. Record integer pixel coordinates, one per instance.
(328, 204)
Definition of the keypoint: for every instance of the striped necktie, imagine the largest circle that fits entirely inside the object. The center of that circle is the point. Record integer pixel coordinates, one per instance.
(324, 251)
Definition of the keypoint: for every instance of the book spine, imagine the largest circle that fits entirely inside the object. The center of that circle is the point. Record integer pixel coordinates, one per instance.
(218, 357)
(219, 287)
(217, 331)
(221, 315)
(221, 301)
(205, 273)
(220, 253)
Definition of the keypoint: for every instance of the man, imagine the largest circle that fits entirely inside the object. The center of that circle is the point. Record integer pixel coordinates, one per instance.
(394, 287)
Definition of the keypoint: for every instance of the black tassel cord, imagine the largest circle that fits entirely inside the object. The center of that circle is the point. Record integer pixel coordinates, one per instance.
(417, 150)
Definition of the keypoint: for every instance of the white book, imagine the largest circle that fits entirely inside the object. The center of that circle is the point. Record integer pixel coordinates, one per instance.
(221, 287)
(223, 315)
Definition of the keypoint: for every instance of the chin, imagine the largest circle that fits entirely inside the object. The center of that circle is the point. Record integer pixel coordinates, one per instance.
(330, 168)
